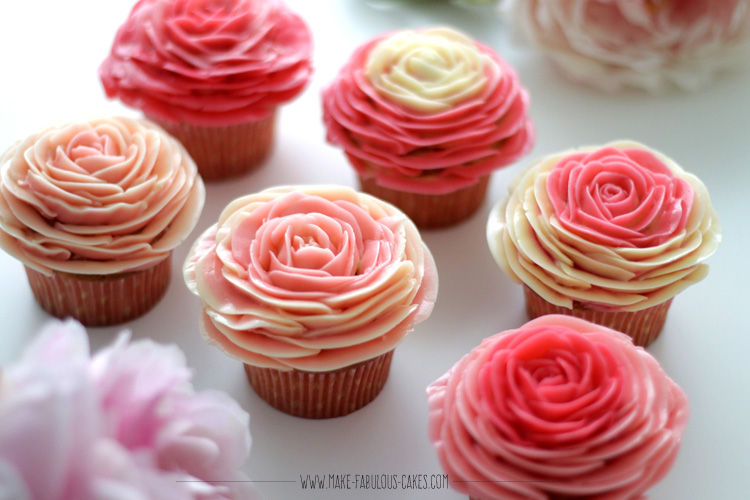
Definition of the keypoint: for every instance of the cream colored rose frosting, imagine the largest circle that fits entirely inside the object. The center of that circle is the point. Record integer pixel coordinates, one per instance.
(97, 196)
(429, 70)
(311, 278)
(619, 226)
(208, 62)
(559, 408)
(427, 111)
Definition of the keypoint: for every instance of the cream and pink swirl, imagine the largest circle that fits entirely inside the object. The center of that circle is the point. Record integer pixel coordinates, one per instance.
(620, 226)
(98, 196)
(427, 111)
(311, 278)
(208, 62)
(650, 44)
(559, 408)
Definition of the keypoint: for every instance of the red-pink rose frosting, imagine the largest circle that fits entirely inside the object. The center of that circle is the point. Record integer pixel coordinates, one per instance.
(619, 197)
(559, 408)
(311, 278)
(615, 227)
(428, 111)
(208, 62)
(98, 196)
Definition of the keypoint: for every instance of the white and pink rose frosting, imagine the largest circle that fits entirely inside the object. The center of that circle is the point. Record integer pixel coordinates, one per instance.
(310, 278)
(557, 409)
(208, 62)
(619, 226)
(98, 196)
(427, 111)
(648, 44)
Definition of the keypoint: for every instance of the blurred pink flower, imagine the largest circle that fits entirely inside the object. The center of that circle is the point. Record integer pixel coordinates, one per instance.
(124, 424)
(649, 44)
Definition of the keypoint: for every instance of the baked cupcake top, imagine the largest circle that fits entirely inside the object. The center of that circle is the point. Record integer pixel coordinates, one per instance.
(312, 278)
(427, 111)
(619, 226)
(559, 408)
(98, 196)
(208, 62)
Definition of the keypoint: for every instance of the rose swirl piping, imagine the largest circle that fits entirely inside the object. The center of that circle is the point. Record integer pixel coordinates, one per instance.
(98, 196)
(559, 408)
(427, 111)
(620, 226)
(208, 62)
(310, 278)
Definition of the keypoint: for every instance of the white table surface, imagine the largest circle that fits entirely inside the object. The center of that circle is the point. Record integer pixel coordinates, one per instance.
(49, 54)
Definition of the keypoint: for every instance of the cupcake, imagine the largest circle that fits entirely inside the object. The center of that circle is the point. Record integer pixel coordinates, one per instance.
(312, 288)
(93, 209)
(212, 73)
(654, 45)
(424, 117)
(609, 234)
(559, 409)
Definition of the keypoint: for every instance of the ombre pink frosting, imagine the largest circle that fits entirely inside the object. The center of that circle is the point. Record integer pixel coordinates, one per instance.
(312, 278)
(97, 196)
(208, 62)
(428, 150)
(557, 409)
(619, 226)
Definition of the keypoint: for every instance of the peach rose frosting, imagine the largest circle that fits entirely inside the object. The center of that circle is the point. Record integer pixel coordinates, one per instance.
(310, 278)
(620, 226)
(427, 111)
(559, 408)
(208, 62)
(98, 196)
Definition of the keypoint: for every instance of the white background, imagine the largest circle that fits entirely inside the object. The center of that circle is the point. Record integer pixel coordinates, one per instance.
(49, 54)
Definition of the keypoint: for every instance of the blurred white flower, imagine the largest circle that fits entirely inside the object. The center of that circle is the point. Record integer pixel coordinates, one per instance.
(124, 424)
(649, 44)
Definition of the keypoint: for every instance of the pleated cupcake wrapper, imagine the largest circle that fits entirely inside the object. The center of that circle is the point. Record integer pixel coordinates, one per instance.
(101, 300)
(642, 326)
(225, 151)
(429, 211)
(321, 394)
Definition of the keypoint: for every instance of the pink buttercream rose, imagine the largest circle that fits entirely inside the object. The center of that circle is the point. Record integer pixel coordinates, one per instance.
(427, 119)
(310, 278)
(559, 408)
(619, 197)
(97, 196)
(647, 44)
(208, 62)
(620, 226)
(125, 423)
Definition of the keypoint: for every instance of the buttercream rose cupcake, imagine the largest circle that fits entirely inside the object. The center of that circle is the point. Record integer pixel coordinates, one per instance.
(557, 409)
(93, 209)
(212, 73)
(312, 288)
(648, 44)
(425, 117)
(610, 234)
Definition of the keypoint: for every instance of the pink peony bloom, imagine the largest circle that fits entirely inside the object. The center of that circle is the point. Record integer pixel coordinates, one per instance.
(649, 44)
(124, 424)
